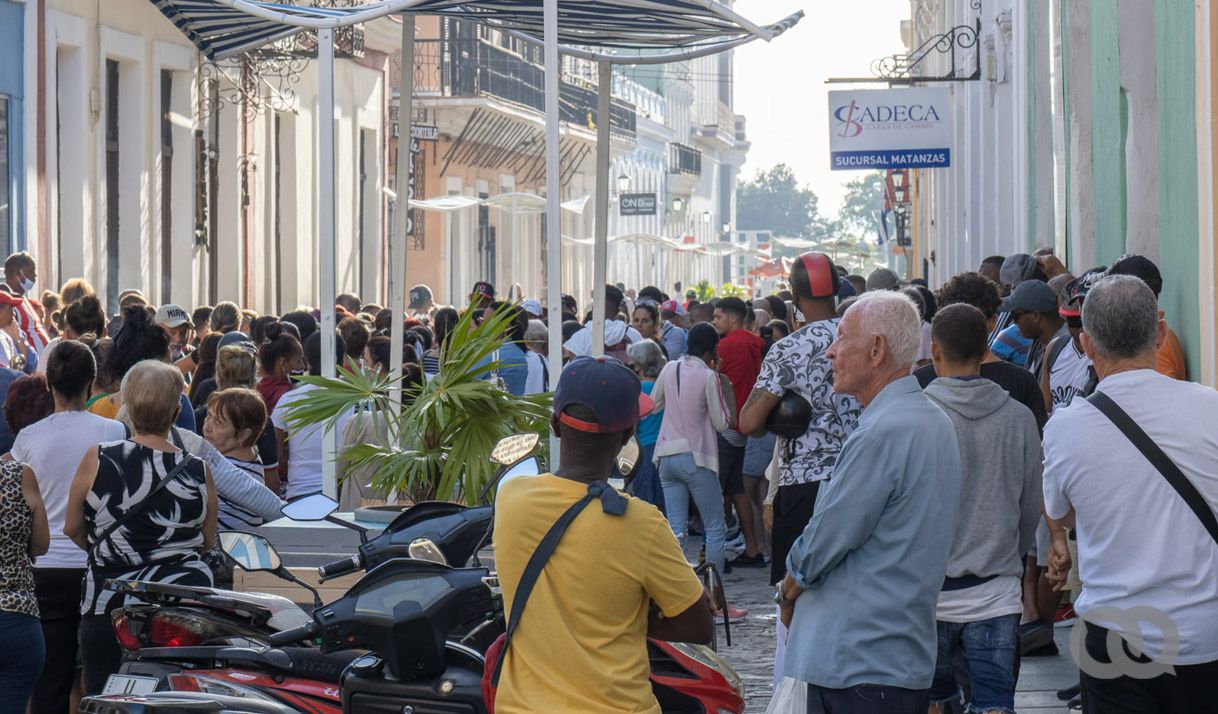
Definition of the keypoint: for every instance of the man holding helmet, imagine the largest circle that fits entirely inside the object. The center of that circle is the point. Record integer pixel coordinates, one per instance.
(796, 365)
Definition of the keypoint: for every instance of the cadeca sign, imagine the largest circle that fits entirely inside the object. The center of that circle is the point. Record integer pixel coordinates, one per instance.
(890, 129)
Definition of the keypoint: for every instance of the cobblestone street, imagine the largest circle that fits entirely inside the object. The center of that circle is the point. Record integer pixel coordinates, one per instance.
(752, 651)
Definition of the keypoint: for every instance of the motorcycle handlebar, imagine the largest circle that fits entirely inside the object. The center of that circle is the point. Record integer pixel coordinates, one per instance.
(340, 567)
(292, 636)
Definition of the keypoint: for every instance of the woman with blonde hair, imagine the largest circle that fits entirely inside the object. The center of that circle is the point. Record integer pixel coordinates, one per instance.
(236, 368)
(141, 508)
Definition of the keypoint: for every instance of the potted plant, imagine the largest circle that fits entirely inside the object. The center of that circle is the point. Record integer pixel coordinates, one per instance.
(436, 446)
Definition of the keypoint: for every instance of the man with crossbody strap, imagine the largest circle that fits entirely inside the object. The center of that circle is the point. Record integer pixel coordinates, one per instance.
(615, 577)
(1134, 469)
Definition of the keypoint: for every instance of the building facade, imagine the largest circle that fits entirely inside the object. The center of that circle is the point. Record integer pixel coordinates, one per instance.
(13, 138)
(1086, 131)
(128, 158)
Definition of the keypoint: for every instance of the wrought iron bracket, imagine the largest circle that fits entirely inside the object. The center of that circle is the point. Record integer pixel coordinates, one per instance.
(903, 69)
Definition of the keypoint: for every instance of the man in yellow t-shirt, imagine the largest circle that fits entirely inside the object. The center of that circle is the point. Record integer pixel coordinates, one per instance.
(581, 642)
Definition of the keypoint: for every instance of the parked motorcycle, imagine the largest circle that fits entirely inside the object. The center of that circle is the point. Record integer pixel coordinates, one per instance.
(265, 650)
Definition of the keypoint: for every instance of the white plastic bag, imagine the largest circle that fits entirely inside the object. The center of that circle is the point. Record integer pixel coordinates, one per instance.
(790, 697)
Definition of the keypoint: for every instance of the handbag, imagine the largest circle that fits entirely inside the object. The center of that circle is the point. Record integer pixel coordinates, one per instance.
(1161, 461)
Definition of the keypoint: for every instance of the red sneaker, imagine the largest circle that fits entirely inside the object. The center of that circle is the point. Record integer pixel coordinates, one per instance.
(734, 614)
(1065, 616)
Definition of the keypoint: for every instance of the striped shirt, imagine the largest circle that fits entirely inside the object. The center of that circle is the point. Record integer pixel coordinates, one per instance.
(232, 515)
(31, 325)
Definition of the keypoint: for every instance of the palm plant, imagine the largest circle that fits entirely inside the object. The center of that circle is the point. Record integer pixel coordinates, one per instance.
(437, 445)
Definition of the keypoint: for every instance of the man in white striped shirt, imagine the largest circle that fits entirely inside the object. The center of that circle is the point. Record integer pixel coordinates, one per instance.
(20, 274)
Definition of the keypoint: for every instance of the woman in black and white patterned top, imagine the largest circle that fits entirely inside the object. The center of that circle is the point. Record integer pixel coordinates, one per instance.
(24, 535)
(171, 526)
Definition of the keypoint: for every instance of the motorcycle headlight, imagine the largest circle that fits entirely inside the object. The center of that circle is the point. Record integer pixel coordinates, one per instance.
(425, 549)
(710, 658)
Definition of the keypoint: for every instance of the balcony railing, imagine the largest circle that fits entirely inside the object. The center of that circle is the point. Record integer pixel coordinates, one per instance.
(475, 67)
(684, 159)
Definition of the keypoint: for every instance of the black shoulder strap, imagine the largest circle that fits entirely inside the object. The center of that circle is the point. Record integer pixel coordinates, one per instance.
(1055, 348)
(613, 503)
(139, 507)
(1161, 461)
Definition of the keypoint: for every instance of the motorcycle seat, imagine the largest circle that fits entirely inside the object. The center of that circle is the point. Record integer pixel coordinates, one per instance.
(309, 663)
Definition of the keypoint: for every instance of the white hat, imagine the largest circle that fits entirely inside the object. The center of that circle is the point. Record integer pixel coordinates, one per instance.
(531, 306)
(171, 316)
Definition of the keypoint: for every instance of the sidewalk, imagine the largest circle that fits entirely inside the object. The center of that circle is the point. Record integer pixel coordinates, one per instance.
(752, 651)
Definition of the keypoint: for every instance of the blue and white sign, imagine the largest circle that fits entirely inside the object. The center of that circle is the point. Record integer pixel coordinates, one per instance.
(890, 129)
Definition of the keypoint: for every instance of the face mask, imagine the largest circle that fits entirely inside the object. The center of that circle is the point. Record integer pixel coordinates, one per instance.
(27, 285)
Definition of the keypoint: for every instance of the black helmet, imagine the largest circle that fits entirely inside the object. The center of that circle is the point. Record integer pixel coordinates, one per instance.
(790, 419)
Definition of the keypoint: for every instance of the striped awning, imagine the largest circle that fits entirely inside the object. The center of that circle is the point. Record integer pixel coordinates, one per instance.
(225, 27)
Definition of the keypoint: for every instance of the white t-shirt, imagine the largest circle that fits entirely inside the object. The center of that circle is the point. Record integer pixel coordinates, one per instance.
(1068, 374)
(535, 383)
(1139, 544)
(993, 598)
(8, 350)
(304, 446)
(53, 448)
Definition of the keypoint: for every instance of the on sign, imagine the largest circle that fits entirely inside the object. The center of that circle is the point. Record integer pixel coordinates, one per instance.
(890, 129)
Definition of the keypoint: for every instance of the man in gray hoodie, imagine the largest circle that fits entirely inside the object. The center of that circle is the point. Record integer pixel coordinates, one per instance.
(1000, 499)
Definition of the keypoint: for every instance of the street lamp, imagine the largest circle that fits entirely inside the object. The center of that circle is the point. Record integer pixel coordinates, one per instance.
(898, 191)
(706, 216)
(623, 183)
(677, 204)
(898, 179)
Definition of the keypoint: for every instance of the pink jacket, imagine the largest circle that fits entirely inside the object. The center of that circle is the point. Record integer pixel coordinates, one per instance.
(697, 402)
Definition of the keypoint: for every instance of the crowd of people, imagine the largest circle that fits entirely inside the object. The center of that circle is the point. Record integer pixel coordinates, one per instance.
(921, 474)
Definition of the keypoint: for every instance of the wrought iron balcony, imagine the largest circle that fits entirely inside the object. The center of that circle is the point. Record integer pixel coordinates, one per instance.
(684, 159)
(463, 67)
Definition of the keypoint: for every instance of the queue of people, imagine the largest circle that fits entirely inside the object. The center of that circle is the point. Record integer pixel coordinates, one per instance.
(914, 471)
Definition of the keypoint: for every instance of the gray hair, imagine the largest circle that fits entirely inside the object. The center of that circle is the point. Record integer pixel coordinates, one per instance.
(1121, 316)
(647, 357)
(536, 332)
(893, 316)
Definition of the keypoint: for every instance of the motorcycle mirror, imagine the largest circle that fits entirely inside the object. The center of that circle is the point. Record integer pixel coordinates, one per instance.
(511, 449)
(310, 508)
(628, 457)
(250, 552)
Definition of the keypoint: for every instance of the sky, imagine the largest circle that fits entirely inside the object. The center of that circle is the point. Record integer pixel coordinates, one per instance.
(780, 89)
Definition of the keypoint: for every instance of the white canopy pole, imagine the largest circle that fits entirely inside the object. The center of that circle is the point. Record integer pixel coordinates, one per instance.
(600, 248)
(401, 216)
(553, 200)
(326, 254)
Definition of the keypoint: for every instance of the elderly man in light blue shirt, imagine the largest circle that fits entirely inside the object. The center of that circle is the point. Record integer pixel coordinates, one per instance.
(864, 577)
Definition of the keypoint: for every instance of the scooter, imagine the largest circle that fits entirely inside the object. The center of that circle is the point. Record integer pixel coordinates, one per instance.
(212, 642)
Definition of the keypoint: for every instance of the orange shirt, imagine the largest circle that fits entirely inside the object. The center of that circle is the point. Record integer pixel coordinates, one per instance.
(1171, 357)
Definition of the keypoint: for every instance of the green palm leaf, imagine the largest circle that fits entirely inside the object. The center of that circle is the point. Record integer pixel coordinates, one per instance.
(439, 442)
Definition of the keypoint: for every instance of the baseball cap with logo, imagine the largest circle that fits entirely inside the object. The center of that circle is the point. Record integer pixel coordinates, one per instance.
(607, 390)
(672, 307)
(482, 292)
(420, 295)
(1076, 291)
(171, 316)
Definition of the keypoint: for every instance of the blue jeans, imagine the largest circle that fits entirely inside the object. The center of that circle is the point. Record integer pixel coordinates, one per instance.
(990, 650)
(682, 480)
(20, 660)
(646, 483)
(866, 699)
